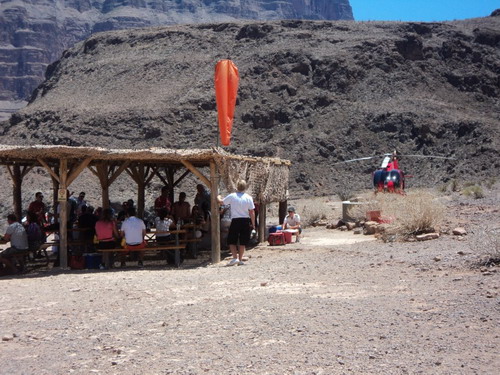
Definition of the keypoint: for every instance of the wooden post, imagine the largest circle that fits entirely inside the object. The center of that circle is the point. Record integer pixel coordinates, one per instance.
(215, 217)
(17, 192)
(262, 222)
(63, 216)
(282, 211)
(17, 176)
(140, 192)
(170, 178)
(107, 175)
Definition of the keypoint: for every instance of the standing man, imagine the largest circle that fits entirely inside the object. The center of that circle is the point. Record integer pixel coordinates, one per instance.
(80, 202)
(18, 238)
(202, 200)
(134, 231)
(38, 208)
(162, 202)
(242, 221)
(292, 221)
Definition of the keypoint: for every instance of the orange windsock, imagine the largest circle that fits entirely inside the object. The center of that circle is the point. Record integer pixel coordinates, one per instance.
(226, 89)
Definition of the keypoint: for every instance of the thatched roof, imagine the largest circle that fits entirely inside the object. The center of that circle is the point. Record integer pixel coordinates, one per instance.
(266, 177)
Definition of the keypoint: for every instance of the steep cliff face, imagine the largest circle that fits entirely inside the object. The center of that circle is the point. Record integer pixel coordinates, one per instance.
(34, 33)
(314, 92)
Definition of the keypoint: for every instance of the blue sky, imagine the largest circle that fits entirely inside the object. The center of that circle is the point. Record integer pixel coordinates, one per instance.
(421, 10)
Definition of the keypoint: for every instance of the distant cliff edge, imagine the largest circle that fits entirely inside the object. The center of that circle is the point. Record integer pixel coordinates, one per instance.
(34, 34)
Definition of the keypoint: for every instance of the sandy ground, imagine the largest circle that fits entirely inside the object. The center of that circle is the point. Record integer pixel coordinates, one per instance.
(328, 305)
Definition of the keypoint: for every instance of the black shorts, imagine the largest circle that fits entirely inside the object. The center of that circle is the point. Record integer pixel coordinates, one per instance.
(239, 229)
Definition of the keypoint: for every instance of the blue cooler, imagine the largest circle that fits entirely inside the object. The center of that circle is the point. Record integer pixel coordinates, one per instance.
(92, 261)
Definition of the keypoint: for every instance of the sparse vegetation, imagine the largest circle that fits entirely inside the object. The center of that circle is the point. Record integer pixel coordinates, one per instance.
(486, 242)
(345, 193)
(443, 188)
(474, 191)
(490, 182)
(415, 213)
(454, 185)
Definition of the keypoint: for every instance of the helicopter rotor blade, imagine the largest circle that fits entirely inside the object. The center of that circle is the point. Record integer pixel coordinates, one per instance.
(358, 159)
(430, 156)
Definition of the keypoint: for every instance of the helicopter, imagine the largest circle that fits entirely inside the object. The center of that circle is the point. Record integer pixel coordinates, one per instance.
(389, 177)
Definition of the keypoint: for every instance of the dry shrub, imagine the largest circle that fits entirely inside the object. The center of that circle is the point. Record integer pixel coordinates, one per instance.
(474, 191)
(309, 210)
(486, 243)
(415, 213)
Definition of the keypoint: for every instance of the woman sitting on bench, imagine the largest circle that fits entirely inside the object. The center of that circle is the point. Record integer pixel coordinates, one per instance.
(106, 233)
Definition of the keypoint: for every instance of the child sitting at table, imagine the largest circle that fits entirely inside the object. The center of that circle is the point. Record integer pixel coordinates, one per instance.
(163, 223)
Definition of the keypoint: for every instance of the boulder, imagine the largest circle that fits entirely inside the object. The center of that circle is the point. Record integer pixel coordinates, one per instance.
(350, 225)
(371, 227)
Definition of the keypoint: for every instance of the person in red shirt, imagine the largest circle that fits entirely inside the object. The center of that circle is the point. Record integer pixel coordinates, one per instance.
(162, 202)
(38, 208)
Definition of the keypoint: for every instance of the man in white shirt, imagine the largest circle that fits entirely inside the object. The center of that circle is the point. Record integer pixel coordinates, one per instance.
(18, 238)
(292, 222)
(134, 231)
(242, 221)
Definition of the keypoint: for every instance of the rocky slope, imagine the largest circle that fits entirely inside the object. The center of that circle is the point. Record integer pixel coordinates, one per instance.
(34, 34)
(314, 92)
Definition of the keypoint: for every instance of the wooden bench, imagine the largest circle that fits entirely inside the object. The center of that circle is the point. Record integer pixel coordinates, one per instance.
(176, 248)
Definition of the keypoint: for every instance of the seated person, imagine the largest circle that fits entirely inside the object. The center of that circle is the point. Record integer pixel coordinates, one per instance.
(18, 238)
(134, 231)
(106, 233)
(87, 221)
(181, 210)
(292, 221)
(163, 224)
(35, 236)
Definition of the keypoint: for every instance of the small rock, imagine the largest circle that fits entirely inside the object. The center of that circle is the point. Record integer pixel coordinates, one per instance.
(263, 284)
(343, 228)
(350, 225)
(427, 236)
(370, 227)
(460, 252)
(114, 363)
(358, 231)
(459, 231)
(437, 259)
(8, 338)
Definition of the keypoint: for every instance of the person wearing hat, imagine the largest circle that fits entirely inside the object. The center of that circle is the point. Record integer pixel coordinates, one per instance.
(292, 221)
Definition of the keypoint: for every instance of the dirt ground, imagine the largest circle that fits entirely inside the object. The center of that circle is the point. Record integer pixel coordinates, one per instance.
(335, 303)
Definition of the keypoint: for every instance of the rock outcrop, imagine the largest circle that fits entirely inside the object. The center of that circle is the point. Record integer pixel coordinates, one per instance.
(33, 34)
(314, 92)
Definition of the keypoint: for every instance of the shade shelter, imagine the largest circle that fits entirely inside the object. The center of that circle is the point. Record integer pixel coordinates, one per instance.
(267, 177)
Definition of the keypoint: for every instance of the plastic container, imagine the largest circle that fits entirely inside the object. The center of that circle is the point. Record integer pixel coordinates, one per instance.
(92, 261)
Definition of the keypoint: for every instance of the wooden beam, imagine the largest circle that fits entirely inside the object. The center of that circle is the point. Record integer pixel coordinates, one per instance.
(150, 176)
(161, 178)
(118, 172)
(48, 169)
(181, 178)
(76, 172)
(10, 172)
(196, 172)
(262, 222)
(63, 216)
(215, 213)
(94, 171)
(26, 169)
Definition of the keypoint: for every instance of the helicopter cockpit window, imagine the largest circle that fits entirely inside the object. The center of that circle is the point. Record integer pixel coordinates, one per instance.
(394, 177)
(379, 177)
